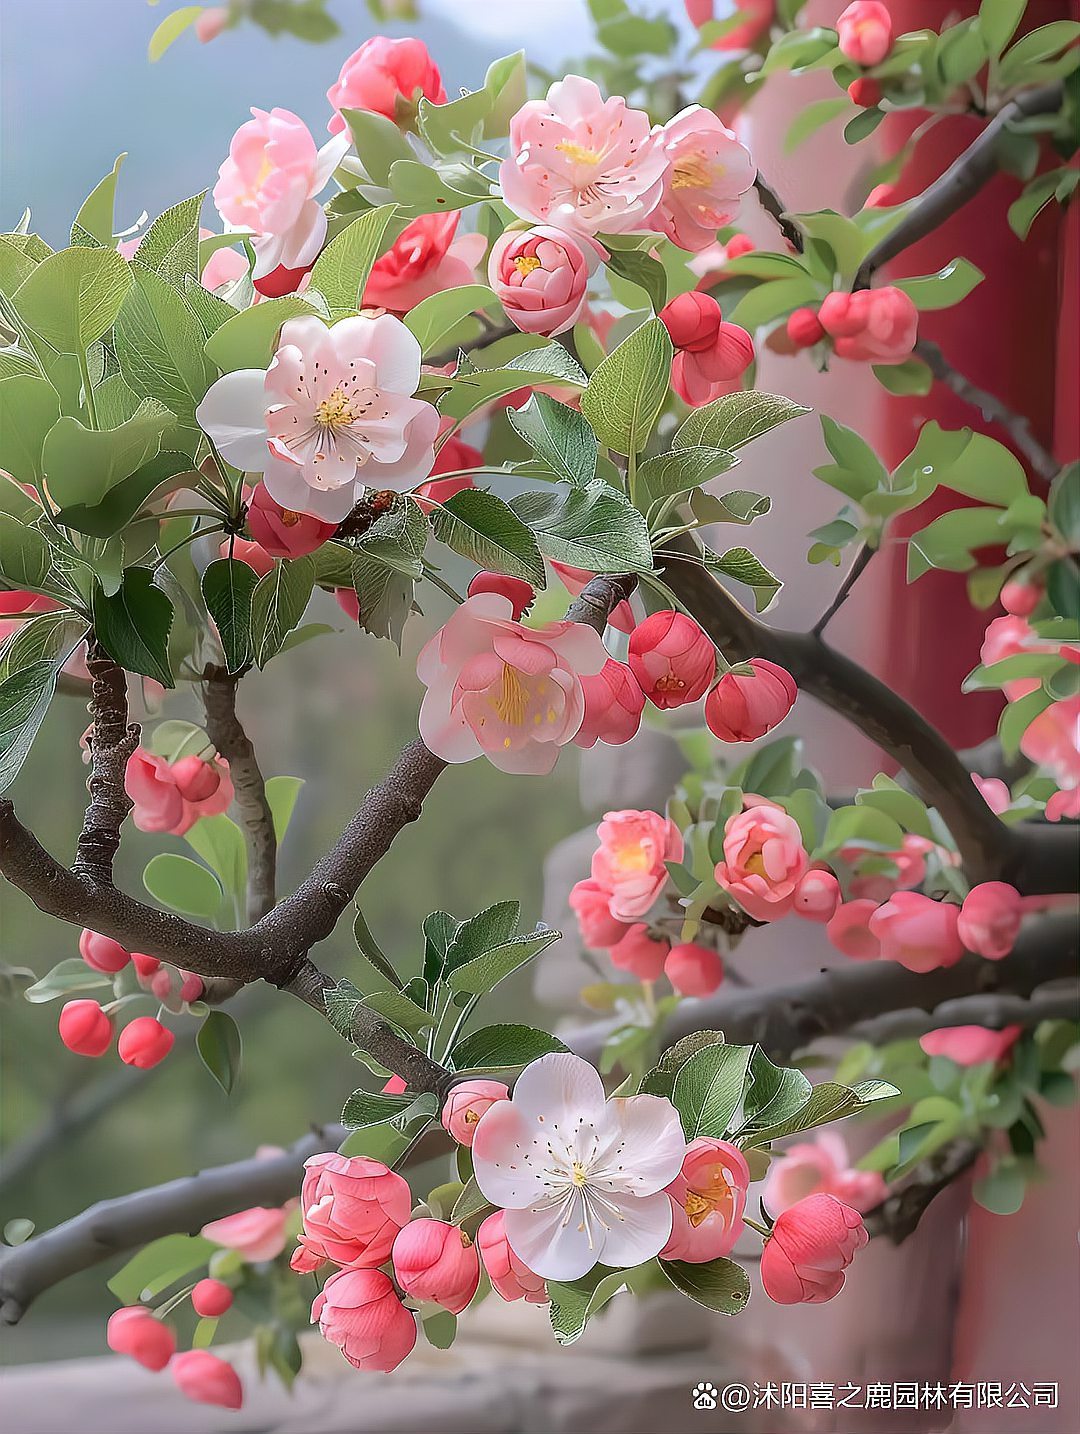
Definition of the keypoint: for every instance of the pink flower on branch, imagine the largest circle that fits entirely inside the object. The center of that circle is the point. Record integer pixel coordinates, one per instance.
(360, 1312)
(387, 77)
(425, 259)
(989, 920)
(673, 660)
(352, 1208)
(134, 1331)
(764, 860)
(743, 707)
(257, 1234)
(613, 706)
(591, 904)
(467, 1103)
(876, 326)
(173, 796)
(205, 1378)
(638, 953)
(438, 1262)
(282, 532)
(629, 863)
(707, 1200)
(709, 173)
(918, 932)
(510, 1278)
(809, 1248)
(541, 277)
(820, 1166)
(971, 1045)
(865, 32)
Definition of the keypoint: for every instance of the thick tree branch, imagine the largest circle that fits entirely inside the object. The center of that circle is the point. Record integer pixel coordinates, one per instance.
(898, 1216)
(598, 600)
(111, 743)
(995, 1011)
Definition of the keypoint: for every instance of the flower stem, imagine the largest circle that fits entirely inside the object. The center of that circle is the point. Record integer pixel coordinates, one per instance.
(763, 1230)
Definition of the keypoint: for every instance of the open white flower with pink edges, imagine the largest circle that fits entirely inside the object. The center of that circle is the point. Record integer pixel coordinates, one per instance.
(498, 689)
(581, 1178)
(333, 414)
(583, 163)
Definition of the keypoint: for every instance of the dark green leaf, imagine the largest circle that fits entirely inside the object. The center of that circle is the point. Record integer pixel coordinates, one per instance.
(364, 1108)
(627, 390)
(83, 464)
(593, 528)
(228, 586)
(643, 270)
(220, 1048)
(487, 531)
(133, 625)
(735, 419)
(278, 602)
(559, 435)
(744, 567)
(719, 1285)
(709, 1088)
(503, 1048)
(164, 473)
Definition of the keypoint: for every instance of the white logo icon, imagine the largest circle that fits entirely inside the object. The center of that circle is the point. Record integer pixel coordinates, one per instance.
(704, 1396)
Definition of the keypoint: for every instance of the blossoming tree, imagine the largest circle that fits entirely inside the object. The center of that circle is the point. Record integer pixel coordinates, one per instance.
(523, 332)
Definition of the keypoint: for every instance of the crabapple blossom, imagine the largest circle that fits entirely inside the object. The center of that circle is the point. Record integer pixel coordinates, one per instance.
(877, 326)
(387, 77)
(85, 1028)
(994, 792)
(242, 550)
(134, 1331)
(144, 1043)
(707, 1200)
(210, 1299)
(638, 953)
(466, 1103)
(971, 1045)
(817, 895)
(332, 414)
(206, 1378)
(989, 920)
(436, 1261)
(282, 532)
(428, 257)
(258, 1234)
(504, 691)
(865, 32)
(865, 92)
(849, 930)
(520, 593)
(918, 932)
(1052, 741)
(541, 277)
(1020, 597)
(583, 163)
(629, 862)
(709, 173)
(591, 904)
(510, 1278)
(743, 707)
(172, 797)
(1063, 806)
(804, 328)
(764, 860)
(613, 706)
(352, 1208)
(102, 953)
(711, 354)
(694, 970)
(820, 1166)
(592, 1191)
(360, 1312)
(809, 1248)
(673, 660)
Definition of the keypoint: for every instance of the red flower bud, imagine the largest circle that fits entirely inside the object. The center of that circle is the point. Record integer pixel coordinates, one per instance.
(520, 593)
(804, 328)
(102, 953)
(85, 1028)
(144, 1042)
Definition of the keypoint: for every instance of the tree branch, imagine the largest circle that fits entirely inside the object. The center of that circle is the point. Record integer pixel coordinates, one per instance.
(111, 743)
(898, 1215)
(995, 1011)
(854, 573)
(774, 206)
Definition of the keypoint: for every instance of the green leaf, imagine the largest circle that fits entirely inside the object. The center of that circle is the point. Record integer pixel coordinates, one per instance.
(998, 20)
(744, 567)
(440, 1329)
(14, 503)
(370, 948)
(159, 345)
(1018, 717)
(171, 245)
(948, 286)
(83, 464)
(641, 269)
(485, 972)
(857, 470)
(736, 419)
(774, 1093)
(24, 699)
(159, 1265)
(987, 470)
(1054, 183)
(364, 1108)
(278, 602)
(163, 473)
(503, 1048)
(378, 143)
(183, 885)
(470, 1202)
(220, 1048)
(719, 1285)
(133, 625)
(862, 125)
(398, 539)
(844, 238)
(227, 587)
(813, 117)
(1063, 504)
(766, 302)
(861, 826)
(73, 297)
(249, 338)
(220, 843)
(474, 388)
(559, 436)
(66, 978)
(594, 528)
(1037, 45)
(399, 1010)
(902, 806)
(171, 28)
(666, 475)
(341, 270)
(281, 795)
(661, 1079)
(492, 927)
(627, 390)
(487, 531)
(1002, 1191)
(709, 1087)
(95, 216)
(575, 1302)
(29, 408)
(829, 1101)
(913, 376)
(948, 542)
(740, 506)
(433, 318)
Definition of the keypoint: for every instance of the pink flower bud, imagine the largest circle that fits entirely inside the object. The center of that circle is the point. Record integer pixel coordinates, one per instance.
(541, 277)
(305, 1260)
(817, 896)
(1021, 598)
(274, 285)
(360, 1312)
(191, 987)
(206, 1379)
(352, 1208)
(707, 1200)
(242, 550)
(672, 659)
(134, 1331)
(211, 1298)
(613, 706)
(804, 328)
(743, 708)
(387, 77)
(436, 1261)
(989, 919)
(693, 321)
(849, 930)
(639, 954)
(257, 1234)
(85, 1028)
(280, 532)
(591, 904)
(144, 1042)
(764, 859)
(865, 92)
(994, 792)
(872, 326)
(918, 932)
(971, 1045)
(694, 970)
(195, 779)
(145, 966)
(865, 32)
(102, 953)
(712, 355)
(510, 1278)
(466, 1103)
(520, 593)
(808, 1250)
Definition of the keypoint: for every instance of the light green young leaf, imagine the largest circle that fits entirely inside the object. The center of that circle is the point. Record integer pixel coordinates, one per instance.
(171, 245)
(433, 318)
(171, 28)
(341, 270)
(626, 392)
(378, 143)
(71, 298)
(183, 885)
(281, 796)
(95, 216)
(485, 972)
(83, 464)
(29, 408)
(159, 345)
(249, 338)
(666, 475)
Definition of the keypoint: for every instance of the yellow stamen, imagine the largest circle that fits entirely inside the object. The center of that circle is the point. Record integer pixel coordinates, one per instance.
(697, 1208)
(334, 413)
(526, 263)
(692, 171)
(512, 703)
(756, 864)
(289, 519)
(577, 152)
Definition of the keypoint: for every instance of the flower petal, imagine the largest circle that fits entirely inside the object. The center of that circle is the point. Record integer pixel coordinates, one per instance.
(233, 414)
(549, 1247)
(641, 1233)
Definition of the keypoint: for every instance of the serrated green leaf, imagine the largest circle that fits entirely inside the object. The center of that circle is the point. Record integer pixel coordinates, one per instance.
(24, 699)
(171, 245)
(666, 475)
(485, 972)
(159, 345)
(594, 528)
(364, 1108)
(736, 419)
(341, 270)
(709, 1087)
(162, 474)
(487, 531)
(228, 586)
(829, 1101)
(95, 216)
(503, 1048)
(278, 602)
(744, 567)
(626, 392)
(83, 464)
(558, 435)
(71, 298)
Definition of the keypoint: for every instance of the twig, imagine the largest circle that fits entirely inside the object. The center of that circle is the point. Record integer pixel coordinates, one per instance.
(898, 1216)
(858, 567)
(111, 741)
(774, 206)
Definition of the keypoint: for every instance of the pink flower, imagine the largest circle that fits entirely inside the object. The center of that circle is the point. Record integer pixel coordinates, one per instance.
(865, 32)
(1021, 598)
(575, 580)
(134, 1331)
(994, 792)
(352, 1209)
(711, 355)
(764, 860)
(436, 1261)
(359, 1311)
(804, 328)
(581, 162)
(540, 277)
(500, 690)
(707, 1199)
(466, 1103)
(1063, 805)
(387, 77)
(571, 1205)
(820, 1167)
(329, 417)
(207, 1379)
(874, 325)
(211, 1298)
(918, 932)
(672, 658)
(629, 862)
(1052, 741)
(1006, 637)
(268, 185)
(808, 1250)
(639, 954)
(591, 904)
(817, 896)
(989, 919)
(209, 25)
(613, 706)
(102, 953)
(759, 16)
(173, 797)
(694, 970)
(849, 930)
(743, 708)
(710, 172)
(258, 1234)
(85, 1028)
(281, 532)
(144, 1042)
(242, 551)
(425, 259)
(223, 266)
(520, 593)
(510, 1278)
(971, 1045)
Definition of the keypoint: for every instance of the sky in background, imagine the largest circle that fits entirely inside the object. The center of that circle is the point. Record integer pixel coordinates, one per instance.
(77, 89)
